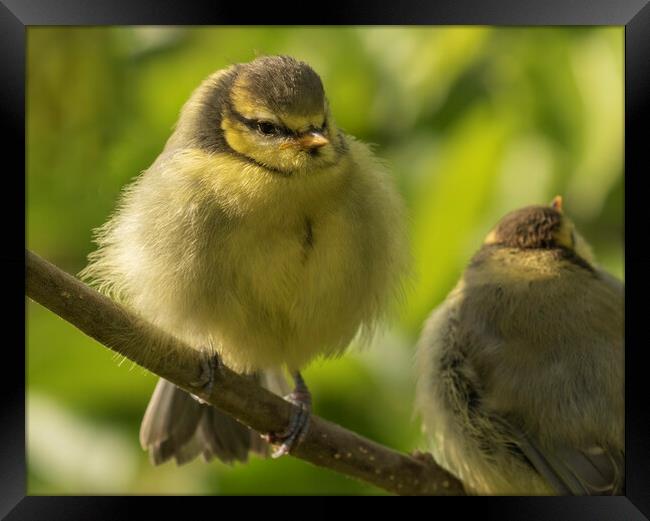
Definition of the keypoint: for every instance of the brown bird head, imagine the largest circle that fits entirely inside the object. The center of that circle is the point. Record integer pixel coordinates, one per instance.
(539, 227)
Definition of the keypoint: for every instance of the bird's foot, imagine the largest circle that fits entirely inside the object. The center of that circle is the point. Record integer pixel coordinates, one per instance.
(294, 433)
(298, 422)
(210, 364)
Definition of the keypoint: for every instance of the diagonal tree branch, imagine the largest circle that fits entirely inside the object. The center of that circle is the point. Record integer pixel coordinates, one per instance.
(326, 444)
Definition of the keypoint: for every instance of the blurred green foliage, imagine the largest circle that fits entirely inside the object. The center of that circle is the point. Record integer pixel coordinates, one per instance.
(474, 122)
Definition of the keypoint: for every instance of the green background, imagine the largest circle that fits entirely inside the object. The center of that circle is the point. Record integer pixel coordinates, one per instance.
(474, 122)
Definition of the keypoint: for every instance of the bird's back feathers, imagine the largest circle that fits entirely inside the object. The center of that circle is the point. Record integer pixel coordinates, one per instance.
(521, 377)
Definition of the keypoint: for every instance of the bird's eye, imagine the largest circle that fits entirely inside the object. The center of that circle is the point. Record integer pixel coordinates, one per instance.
(266, 128)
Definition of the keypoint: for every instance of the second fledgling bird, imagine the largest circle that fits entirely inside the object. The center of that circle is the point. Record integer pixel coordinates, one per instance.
(261, 230)
(521, 367)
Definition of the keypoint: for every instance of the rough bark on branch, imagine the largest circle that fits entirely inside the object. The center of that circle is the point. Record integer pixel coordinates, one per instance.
(326, 444)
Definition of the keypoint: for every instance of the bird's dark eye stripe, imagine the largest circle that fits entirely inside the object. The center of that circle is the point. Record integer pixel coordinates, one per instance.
(322, 128)
(258, 125)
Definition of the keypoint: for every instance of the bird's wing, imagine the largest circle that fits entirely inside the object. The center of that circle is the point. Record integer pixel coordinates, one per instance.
(524, 384)
(586, 470)
(590, 471)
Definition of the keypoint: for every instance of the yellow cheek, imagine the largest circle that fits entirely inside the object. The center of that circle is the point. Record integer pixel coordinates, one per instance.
(244, 143)
(491, 238)
(570, 238)
(237, 139)
(563, 236)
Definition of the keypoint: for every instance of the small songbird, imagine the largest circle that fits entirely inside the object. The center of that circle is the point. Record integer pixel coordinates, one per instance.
(261, 232)
(520, 382)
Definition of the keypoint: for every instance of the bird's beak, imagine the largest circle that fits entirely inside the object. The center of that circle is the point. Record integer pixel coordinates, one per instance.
(312, 140)
(556, 203)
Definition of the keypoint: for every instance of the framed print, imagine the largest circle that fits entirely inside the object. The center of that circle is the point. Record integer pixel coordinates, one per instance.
(468, 112)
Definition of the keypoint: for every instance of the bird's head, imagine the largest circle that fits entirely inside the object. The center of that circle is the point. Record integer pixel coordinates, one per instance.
(540, 227)
(271, 111)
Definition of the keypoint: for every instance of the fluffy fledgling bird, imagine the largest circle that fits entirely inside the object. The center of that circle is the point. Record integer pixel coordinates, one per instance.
(261, 231)
(520, 382)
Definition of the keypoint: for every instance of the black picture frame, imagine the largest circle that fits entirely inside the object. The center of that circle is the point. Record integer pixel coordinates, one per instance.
(17, 15)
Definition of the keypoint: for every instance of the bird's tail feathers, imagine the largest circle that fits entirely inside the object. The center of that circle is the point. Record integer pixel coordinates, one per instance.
(176, 426)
